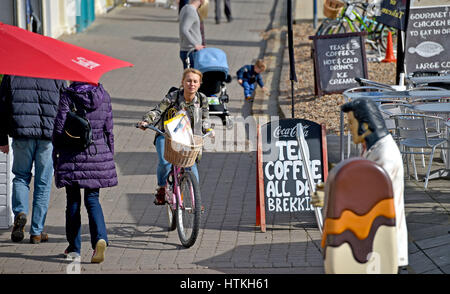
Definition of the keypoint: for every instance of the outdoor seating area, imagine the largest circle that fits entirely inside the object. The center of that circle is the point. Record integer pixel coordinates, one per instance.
(418, 118)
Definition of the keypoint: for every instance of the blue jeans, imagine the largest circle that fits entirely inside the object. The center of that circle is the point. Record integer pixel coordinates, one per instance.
(97, 226)
(163, 168)
(183, 56)
(25, 152)
(248, 89)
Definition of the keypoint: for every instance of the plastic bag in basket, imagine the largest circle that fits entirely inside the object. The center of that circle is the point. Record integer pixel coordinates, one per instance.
(179, 128)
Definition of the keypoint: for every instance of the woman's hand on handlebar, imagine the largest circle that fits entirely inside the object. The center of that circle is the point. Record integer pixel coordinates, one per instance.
(209, 132)
(142, 125)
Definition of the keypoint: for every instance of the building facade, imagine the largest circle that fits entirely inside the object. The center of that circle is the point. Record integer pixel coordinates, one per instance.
(53, 18)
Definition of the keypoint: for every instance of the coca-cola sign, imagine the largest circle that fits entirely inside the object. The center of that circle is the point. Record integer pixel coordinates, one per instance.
(285, 183)
(289, 132)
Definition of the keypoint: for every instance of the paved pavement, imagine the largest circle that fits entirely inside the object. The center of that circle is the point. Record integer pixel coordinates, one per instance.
(228, 242)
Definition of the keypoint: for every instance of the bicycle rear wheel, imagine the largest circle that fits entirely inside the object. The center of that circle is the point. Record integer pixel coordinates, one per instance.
(329, 28)
(320, 30)
(189, 212)
(381, 35)
(339, 26)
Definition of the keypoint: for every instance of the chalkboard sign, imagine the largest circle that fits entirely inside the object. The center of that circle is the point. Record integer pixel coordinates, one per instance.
(284, 187)
(338, 59)
(428, 40)
(392, 13)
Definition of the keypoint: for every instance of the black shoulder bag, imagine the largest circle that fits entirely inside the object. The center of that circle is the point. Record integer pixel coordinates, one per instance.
(77, 132)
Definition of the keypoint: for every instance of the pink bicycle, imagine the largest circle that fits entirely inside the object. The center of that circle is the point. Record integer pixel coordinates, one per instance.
(183, 198)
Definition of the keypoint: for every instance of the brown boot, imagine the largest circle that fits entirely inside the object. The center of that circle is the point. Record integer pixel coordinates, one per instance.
(18, 230)
(160, 196)
(43, 237)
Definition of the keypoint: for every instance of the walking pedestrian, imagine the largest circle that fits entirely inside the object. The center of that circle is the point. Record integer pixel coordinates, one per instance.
(203, 14)
(91, 169)
(227, 7)
(28, 109)
(190, 32)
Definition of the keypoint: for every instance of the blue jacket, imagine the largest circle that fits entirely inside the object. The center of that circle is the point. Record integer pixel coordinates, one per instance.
(247, 74)
(28, 107)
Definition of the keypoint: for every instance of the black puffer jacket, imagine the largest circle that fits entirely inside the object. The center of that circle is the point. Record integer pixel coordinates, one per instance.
(28, 107)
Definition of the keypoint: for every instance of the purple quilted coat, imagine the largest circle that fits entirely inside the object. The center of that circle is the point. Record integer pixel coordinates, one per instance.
(86, 169)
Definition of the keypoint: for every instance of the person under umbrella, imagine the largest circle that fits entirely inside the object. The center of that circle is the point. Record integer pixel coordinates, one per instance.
(88, 169)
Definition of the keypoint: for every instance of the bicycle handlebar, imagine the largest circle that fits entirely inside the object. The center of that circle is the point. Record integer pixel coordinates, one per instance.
(152, 127)
(207, 134)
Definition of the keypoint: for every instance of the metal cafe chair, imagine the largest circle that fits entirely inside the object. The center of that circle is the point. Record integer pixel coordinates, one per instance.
(413, 134)
(388, 111)
(392, 108)
(434, 126)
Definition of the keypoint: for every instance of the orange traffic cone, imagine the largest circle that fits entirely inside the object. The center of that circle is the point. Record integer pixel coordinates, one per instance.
(389, 50)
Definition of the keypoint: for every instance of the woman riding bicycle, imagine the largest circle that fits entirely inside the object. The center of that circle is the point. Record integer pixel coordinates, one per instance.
(185, 98)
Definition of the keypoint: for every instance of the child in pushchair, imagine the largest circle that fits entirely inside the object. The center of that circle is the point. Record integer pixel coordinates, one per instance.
(212, 63)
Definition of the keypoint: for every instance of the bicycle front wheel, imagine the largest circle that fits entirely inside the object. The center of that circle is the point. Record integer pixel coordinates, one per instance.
(171, 215)
(189, 211)
(170, 204)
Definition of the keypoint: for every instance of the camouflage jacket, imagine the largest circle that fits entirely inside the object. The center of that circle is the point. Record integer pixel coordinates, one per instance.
(197, 110)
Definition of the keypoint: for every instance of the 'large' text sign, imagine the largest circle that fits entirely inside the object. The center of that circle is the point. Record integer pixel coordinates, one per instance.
(428, 40)
(285, 183)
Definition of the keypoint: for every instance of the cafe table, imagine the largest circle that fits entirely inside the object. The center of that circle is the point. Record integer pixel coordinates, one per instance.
(444, 79)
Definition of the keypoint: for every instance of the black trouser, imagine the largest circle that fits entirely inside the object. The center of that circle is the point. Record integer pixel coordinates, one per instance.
(227, 9)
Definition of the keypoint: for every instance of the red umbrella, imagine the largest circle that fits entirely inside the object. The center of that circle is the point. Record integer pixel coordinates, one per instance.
(24, 53)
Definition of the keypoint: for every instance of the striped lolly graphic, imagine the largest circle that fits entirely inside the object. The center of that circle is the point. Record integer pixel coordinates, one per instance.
(359, 233)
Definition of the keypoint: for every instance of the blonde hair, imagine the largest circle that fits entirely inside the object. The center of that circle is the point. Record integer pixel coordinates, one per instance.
(194, 71)
(203, 10)
(261, 64)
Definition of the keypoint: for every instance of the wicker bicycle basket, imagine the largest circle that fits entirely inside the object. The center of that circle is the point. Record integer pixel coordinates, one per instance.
(332, 8)
(182, 155)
